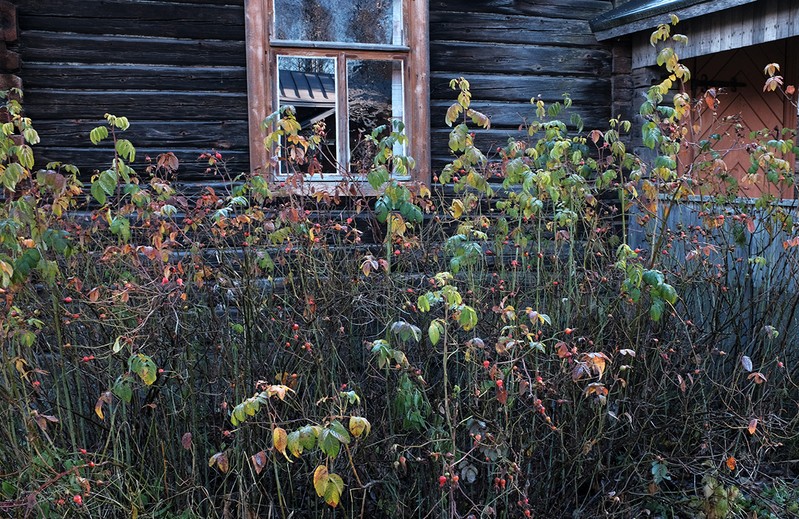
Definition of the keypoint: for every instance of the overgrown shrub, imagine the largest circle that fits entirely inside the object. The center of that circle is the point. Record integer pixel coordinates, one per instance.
(502, 350)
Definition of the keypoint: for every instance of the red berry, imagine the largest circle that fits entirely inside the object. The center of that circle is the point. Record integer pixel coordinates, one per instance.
(67, 299)
(442, 480)
(295, 327)
(77, 499)
(486, 364)
(568, 331)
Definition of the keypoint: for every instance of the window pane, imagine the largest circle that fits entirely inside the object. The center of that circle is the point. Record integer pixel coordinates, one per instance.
(374, 98)
(348, 21)
(309, 85)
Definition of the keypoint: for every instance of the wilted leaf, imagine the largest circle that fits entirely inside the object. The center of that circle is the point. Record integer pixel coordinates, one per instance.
(596, 362)
(746, 362)
(502, 396)
(752, 426)
(220, 460)
(359, 426)
(758, 377)
(43, 419)
(259, 461)
(598, 390)
(185, 441)
(105, 398)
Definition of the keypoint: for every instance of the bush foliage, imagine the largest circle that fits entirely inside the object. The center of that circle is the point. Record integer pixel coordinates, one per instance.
(502, 350)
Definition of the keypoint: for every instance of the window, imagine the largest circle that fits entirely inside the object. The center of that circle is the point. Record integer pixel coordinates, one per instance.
(346, 66)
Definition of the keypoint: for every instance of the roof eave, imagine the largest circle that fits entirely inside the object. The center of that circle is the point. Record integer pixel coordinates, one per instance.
(640, 15)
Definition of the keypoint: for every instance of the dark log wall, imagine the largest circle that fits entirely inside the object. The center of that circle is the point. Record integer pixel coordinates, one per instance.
(176, 68)
(511, 51)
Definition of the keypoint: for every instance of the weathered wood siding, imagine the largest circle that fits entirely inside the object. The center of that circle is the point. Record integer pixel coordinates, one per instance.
(740, 26)
(511, 51)
(175, 68)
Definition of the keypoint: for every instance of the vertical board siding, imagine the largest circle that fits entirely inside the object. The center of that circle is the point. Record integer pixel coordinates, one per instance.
(512, 51)
(175, 68)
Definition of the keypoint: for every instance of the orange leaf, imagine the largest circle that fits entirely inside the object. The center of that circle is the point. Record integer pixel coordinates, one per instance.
(731, 463)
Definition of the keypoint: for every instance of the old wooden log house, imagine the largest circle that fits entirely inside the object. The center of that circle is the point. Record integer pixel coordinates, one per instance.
(195, 76)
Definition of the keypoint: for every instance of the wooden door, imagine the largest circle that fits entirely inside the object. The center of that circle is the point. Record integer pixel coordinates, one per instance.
(737, 79)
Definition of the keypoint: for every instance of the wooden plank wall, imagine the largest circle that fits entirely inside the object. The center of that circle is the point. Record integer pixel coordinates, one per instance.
(511, 51)
(175, 68)
(742, 26)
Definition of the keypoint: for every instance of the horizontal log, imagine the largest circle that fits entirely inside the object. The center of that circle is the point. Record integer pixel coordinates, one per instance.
(514, 115)
(136, 77)
(152, 105)
(96, 159)
(135, 18)
(54, 47)
(218, 135)
(463, 58)
(572, 9)
(501, 87)
(506, 28)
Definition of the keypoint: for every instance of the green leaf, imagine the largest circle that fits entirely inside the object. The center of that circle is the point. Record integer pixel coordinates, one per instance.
(98, 134)
(423, 303)
(122, 389)
(329, 444)
(467, 318)
(338, 430)
(125, 149)
(308, 435)
(653, 278)
(435, 331)
(294, 444)
(98, 193)
(144, 367)
(656, 310)
(669, 293)
(334, 489)
(12, 174)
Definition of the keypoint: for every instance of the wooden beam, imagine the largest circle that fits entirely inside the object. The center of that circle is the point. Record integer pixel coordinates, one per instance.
(418, 90)
(257, 27)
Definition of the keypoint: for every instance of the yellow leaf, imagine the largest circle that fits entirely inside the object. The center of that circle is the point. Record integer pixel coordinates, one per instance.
(457, 208)
(220, 460)
(280, 440)
(320, 477)
(359, 426)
